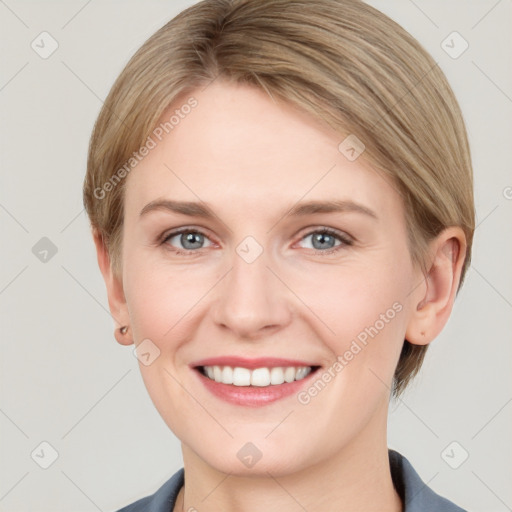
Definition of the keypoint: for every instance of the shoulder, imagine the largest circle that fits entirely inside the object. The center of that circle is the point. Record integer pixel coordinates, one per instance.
(415, 493)
(162, 500)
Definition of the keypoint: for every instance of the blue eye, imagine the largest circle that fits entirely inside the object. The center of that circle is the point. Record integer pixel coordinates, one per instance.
(190, 239)
(323, 241)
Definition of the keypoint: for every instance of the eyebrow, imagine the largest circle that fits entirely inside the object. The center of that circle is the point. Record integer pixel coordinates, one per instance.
(195, 209)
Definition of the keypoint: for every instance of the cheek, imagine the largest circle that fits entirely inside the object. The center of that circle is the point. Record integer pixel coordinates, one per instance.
(163, 298)
(366, 317)
(158, 303)
(354, 296)
(165, 304)
(360, 313)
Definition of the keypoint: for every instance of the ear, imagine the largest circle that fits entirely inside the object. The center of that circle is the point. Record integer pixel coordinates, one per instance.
(116, 299)
(433, 300)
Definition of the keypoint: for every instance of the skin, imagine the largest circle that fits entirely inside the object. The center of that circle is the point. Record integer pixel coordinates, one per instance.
(251, 159)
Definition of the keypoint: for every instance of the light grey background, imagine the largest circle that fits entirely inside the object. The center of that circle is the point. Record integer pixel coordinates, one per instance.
(67, 382)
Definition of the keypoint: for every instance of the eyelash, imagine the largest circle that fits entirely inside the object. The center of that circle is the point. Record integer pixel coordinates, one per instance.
(345, 240)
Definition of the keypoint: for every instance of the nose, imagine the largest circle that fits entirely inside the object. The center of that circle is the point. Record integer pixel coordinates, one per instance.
(251, 301)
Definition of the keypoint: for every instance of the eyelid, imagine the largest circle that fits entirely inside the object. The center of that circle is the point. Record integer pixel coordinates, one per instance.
(309, 230)
(181, 229)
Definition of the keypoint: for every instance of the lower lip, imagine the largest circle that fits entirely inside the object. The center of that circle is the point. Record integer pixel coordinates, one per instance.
(254, 396)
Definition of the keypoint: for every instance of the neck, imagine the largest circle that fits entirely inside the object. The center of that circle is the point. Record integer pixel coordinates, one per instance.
(356, 478)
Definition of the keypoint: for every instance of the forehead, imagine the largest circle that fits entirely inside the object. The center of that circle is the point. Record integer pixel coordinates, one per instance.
(238, 147)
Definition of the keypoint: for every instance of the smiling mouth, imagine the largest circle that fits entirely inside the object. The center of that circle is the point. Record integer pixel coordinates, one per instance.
(258, 377)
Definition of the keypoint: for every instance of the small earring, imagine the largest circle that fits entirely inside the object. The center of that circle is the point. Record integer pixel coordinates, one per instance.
(123, 330)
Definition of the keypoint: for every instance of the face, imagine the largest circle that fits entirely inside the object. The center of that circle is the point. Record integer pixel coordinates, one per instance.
(263, 276)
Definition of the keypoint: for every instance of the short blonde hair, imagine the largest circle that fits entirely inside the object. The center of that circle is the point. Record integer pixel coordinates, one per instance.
(343, 62)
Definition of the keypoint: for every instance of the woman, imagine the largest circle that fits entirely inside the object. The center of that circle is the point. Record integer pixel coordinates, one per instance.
(280, 194)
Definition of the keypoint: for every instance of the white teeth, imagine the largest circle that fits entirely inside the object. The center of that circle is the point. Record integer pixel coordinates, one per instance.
(277, 375)
(290, 374)
(301, 373)
(241, 376)
(227, 375)
(260, 377)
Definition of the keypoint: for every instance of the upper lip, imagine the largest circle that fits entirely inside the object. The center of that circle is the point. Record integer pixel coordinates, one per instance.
(259, 362)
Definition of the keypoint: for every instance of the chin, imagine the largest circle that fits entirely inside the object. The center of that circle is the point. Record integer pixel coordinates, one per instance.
(257, 458)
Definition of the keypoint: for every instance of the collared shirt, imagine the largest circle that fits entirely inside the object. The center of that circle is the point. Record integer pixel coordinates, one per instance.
(415, 494)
